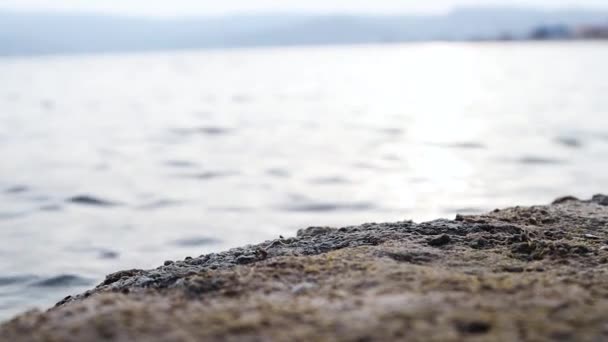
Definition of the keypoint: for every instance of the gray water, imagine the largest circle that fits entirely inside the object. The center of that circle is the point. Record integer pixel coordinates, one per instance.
(113, 162)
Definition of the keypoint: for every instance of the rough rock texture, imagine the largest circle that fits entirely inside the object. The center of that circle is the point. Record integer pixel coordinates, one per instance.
(537, 273)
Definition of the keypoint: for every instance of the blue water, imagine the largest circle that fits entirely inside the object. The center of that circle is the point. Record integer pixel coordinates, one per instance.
(114, 162)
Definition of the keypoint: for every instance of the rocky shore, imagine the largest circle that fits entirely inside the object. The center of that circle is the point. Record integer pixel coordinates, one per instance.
(524, 273)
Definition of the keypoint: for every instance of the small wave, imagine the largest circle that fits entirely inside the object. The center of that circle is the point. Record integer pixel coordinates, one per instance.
(569, 142)
(330, 180)
(40, 198)
(62, 280)
(12, 215)
(17, 189)
(99, 252)
(391, 157)
(213, 175)
(391, 131)
(51, 207)
(195, 241)
(18, 279)
(213, 130)
(465, 210)
(534, 160)
(160, 204)
(467, 145)
(47, 104)
(207, 130)
(328, 207)
(232, 209)
(91, 201)
(278, 173)
(601, 136)
(108, 254)
(180, 163)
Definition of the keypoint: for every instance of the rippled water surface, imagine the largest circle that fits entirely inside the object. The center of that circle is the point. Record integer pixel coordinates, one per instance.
(125, 161)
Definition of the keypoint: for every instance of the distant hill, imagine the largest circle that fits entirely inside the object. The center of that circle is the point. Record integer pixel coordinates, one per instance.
(28, 33)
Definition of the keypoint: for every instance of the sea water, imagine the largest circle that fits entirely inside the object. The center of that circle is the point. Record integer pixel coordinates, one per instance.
(121, 161)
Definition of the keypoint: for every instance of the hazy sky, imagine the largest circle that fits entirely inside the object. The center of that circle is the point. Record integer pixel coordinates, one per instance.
(198, 7)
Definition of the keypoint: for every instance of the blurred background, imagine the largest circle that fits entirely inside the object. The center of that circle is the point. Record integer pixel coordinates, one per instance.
(134, 132)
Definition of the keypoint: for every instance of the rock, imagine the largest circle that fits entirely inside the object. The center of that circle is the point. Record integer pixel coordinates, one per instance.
(491, 277)
(440, 241)
(600, 199)
(314, 231)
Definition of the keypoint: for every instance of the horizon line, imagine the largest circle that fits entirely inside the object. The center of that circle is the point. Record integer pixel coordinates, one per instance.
(246, 13)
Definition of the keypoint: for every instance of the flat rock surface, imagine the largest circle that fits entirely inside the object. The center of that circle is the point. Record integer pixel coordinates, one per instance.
(525, 273)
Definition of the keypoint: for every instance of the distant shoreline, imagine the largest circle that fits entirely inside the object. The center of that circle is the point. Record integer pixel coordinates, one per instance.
(299, 46)
(45, 33)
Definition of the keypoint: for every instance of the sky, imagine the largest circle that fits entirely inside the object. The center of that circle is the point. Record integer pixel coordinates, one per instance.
(219, 7)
